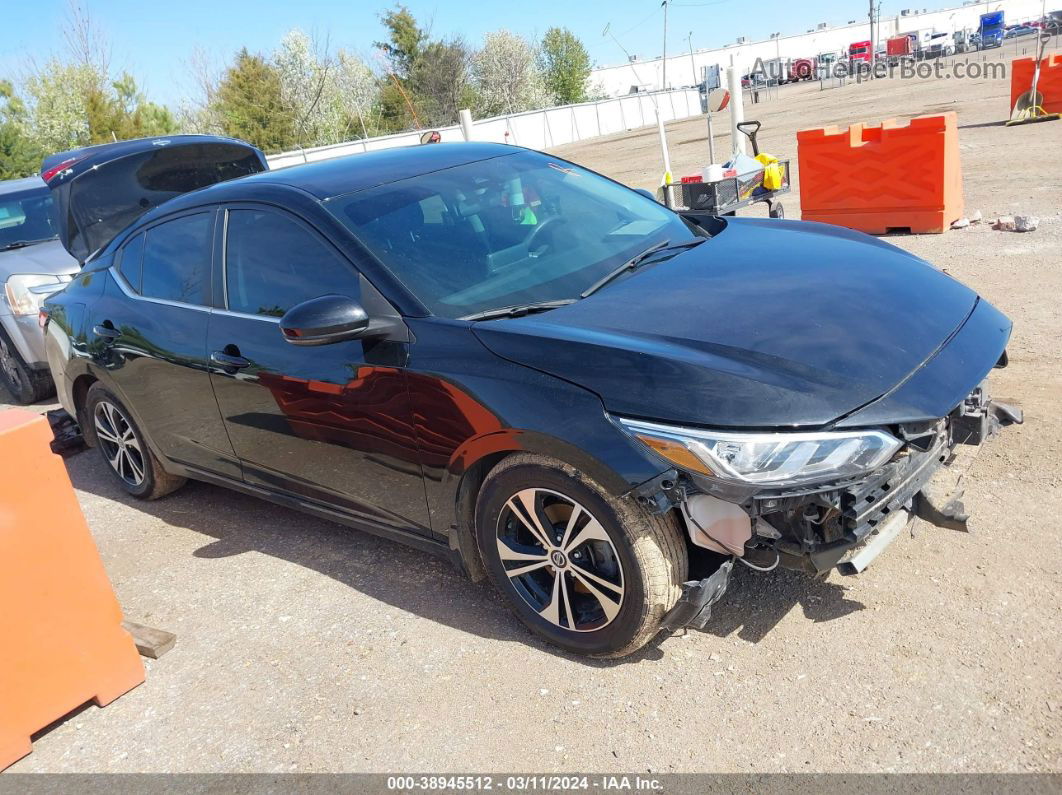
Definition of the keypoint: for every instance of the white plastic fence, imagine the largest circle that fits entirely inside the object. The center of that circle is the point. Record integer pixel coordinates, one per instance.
(536, 129)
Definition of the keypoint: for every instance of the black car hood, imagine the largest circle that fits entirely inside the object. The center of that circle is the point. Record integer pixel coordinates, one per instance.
(769, 324)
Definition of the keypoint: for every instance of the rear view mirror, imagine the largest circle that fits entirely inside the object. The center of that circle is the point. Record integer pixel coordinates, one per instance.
(646, 194)
(324, 320)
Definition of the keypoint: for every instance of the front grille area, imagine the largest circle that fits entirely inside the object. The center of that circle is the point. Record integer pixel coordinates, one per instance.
(866, 505)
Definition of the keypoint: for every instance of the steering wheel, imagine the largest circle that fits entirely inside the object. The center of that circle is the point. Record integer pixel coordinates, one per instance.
(552, 221)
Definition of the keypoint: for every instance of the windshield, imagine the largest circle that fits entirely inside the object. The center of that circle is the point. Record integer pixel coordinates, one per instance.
(26, 217)
(510, 231)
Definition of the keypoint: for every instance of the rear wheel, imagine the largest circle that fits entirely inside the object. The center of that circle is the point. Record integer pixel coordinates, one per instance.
(124, 449)
(25, 384)
(590, 572)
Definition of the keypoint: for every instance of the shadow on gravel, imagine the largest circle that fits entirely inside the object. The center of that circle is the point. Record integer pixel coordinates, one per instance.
(755, 602)
(416, 581)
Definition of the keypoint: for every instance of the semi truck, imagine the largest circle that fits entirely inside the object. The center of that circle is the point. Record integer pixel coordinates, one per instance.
(859, 52)
(991, 30)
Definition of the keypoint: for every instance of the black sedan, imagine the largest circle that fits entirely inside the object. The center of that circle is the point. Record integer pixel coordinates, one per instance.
(502, 357)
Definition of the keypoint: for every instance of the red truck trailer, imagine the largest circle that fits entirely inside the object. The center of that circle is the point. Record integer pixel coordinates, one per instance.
(899, 48)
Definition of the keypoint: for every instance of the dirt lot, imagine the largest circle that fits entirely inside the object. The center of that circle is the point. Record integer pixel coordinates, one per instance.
(305, 646)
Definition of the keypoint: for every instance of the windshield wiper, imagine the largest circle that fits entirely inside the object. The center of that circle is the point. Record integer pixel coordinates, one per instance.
(24, 243)
(519, 310)
(634, 262)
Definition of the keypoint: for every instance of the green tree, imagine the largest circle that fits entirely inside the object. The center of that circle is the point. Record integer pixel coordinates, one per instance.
(19, 156)
(403, 48)
(249, 104)
(565, 66)
(405, 40)
(122, 112)
(441, 82)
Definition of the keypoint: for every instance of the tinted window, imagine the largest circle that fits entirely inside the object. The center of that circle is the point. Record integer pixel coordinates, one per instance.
(130, 263)
(273, 263)
(26, 217)
(177, 259)
(510, 230)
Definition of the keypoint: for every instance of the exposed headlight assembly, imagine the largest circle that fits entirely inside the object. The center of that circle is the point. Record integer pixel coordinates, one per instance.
(767, 459)
(27, 291)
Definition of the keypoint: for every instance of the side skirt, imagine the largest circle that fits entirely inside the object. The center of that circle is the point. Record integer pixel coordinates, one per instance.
(319, 510)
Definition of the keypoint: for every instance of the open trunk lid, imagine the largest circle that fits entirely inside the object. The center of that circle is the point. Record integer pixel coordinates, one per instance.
(100, 190)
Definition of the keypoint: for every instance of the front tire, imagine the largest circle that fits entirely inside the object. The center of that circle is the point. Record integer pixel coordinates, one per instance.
(25, 384)
(587, 571)
(123, 447)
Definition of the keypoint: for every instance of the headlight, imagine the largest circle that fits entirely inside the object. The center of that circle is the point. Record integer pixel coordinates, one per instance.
(21, 298)
(767, 459)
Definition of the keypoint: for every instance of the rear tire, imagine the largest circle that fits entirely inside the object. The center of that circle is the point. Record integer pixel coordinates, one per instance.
(123, 447)
(25, 384)
(596, 584)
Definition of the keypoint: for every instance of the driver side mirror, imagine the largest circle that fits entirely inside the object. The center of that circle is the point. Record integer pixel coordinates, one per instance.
(647, 194)
(324, 320)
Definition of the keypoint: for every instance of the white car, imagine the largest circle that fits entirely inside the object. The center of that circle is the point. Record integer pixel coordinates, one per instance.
(33, 264)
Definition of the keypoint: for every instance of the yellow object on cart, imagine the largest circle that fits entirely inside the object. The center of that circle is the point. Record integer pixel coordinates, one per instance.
(772, 172)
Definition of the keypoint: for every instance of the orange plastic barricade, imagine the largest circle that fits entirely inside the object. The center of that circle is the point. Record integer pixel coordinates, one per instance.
(903, 177)
(1049, 84)
(61, 640)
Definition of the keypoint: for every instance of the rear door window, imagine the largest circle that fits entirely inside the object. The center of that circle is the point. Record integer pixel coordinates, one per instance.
(131, 262)
(176, 261)
(272, 263)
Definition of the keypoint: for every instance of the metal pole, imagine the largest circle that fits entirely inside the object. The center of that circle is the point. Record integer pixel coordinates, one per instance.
(663, 78)
(873, 50)
(737, 108)
(711, 139)
(693, 63)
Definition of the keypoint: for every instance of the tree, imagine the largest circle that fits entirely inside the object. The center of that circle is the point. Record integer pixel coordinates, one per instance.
(506, 75)
(565, 66)
(19, 156)
(441, 81)
(357, 95)
(249, 104)
(401, 52)
(405, 40)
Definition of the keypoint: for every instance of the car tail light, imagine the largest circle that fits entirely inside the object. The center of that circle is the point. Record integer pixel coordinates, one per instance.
(56, 169)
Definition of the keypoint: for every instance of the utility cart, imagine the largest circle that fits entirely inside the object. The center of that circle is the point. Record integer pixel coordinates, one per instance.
(730, 194)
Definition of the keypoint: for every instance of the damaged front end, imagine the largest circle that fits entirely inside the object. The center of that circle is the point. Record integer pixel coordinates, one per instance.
(844, 523)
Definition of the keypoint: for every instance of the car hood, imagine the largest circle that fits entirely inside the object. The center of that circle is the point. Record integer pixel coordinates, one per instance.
(46, 257)
(768, 324)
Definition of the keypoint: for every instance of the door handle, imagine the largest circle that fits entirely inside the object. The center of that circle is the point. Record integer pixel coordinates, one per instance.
(228, 361)
(107, 333)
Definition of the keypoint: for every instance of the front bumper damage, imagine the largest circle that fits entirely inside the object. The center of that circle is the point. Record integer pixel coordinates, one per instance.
(845, 525)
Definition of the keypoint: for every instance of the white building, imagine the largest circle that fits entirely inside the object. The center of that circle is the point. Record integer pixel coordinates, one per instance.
(684, 70)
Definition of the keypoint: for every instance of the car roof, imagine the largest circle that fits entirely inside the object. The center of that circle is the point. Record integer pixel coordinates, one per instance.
(338, 176)
(19, 185)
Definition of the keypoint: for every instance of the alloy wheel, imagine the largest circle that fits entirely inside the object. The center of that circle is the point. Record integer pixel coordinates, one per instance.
(120, 445)
(560, 560)
(9, 365)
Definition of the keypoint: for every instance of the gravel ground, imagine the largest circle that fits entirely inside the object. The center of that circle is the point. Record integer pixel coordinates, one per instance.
(303, 646)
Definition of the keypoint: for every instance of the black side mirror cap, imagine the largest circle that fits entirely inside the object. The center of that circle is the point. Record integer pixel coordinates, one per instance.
(325, 320)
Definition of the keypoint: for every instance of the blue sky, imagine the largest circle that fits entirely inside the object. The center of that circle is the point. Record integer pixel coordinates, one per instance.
(152, 39)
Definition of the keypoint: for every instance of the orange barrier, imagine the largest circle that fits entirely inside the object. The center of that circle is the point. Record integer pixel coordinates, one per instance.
(882, 178)
(61, 640)
(1049, 84)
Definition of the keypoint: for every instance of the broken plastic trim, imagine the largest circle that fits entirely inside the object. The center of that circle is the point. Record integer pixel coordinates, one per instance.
(694, 607)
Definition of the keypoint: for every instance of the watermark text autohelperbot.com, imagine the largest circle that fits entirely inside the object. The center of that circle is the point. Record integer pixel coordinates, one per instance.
(905, 69)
